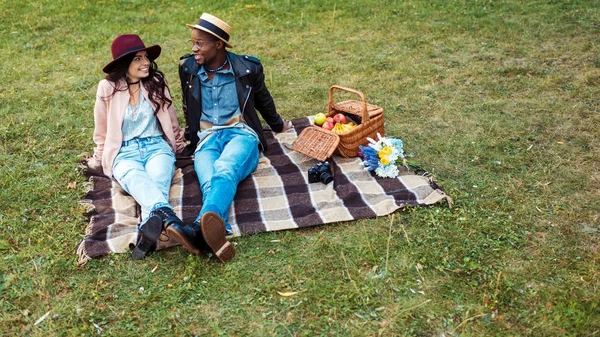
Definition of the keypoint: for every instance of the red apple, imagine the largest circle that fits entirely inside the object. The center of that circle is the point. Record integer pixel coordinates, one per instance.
(330, 120)
(328, 125)
(339, 118)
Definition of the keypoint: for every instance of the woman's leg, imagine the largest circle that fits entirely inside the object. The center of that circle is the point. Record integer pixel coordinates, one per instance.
(160, 168)
(129, 170)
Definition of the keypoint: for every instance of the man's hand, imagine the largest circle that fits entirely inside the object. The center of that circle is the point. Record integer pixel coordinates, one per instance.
(287, 125)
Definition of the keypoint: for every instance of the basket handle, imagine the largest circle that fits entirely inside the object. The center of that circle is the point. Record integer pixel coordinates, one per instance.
(365, 117)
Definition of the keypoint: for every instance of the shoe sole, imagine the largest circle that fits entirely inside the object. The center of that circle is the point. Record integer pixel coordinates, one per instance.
(183, 240)
(213, 230)
(150, 232)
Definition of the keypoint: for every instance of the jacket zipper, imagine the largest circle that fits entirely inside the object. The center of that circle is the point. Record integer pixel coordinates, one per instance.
(246, 100)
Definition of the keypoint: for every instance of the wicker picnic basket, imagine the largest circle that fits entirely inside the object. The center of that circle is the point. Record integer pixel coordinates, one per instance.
(320, 143)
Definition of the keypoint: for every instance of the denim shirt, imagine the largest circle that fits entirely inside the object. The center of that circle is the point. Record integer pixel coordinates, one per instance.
(219, 96)
(219, 104)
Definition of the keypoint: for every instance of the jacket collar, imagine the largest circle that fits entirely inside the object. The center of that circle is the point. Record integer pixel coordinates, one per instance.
(240, 68)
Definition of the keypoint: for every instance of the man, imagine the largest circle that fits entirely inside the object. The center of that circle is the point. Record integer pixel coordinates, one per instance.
(222, 92)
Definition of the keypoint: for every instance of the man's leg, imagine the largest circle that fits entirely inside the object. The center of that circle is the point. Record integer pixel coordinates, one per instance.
(238, 158)
(204, 162)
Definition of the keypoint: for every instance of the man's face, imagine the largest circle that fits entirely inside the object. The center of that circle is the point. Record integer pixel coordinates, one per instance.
(204, 47)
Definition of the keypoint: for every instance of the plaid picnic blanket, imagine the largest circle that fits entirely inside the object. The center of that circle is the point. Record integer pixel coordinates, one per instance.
(277, 196)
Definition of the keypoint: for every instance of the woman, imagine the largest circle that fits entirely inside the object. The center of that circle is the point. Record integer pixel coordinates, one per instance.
(137, 134)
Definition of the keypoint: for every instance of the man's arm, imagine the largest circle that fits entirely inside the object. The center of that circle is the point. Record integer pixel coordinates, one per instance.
(184, 94)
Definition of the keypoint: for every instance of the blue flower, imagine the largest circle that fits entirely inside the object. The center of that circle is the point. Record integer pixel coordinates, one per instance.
(383, 156)
(370, 158)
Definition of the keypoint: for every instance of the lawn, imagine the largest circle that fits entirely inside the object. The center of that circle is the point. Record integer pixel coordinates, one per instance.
(499, 100)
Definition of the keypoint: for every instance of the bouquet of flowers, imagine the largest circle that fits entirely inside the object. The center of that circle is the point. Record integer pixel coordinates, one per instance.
(383, 156)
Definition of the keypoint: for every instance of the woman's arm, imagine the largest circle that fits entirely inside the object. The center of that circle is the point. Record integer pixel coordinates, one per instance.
(180, 141)
(100, 121)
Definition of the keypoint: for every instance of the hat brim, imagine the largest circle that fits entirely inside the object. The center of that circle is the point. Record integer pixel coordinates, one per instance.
(153, 54)
(229, 45)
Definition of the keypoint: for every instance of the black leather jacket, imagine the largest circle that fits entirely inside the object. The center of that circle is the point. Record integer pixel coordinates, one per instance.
(252, 94)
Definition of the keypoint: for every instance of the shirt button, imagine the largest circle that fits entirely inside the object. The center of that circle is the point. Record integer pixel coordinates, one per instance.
(247, 71)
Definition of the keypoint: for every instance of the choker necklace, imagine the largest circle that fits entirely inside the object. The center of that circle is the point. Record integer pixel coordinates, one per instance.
(131, 83)
(215, 70)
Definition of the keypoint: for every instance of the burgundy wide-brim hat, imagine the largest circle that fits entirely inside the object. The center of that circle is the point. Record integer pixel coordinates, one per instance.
(126, 44)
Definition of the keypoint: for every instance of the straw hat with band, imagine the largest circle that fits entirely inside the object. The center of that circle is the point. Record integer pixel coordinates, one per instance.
(126, 44)
(214, 26)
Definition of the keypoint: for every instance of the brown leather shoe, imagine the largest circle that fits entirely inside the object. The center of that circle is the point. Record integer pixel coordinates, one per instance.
(213, 230)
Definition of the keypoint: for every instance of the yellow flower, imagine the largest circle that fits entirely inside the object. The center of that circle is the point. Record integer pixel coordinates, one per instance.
(385, 151)
(384, 161)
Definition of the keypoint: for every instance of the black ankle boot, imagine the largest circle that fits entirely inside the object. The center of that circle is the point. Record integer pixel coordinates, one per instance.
(167, 216)
(189, 236)
(148, 233)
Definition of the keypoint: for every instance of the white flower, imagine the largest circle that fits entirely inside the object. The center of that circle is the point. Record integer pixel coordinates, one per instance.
(389, 171)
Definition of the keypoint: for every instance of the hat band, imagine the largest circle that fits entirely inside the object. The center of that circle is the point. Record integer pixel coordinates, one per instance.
(215, 29)
(129, 50)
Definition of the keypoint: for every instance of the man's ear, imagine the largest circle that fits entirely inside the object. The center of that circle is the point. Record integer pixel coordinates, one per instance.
(220, 44)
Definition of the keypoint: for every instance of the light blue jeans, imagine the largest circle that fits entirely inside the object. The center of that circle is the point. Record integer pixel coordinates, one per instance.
(225, 159)
(144, 167)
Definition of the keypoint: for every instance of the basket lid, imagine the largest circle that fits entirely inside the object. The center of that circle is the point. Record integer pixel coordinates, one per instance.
(356, 108)
(316, 142)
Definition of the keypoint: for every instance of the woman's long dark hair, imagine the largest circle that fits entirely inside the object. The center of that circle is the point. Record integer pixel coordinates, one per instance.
(155, 83)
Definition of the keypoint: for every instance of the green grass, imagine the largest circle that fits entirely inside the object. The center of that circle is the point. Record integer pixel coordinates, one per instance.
(499, 100)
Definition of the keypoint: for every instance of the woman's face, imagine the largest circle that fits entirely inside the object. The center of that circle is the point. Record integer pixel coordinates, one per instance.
(139, 67)
(204, 47)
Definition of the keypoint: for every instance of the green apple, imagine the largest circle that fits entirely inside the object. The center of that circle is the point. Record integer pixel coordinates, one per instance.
(320, 118)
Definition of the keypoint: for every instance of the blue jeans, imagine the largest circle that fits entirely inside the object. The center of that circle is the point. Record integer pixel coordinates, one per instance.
(225, 159)
(144, 167)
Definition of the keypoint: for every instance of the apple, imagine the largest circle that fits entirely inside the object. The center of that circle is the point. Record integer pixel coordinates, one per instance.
(330, 120)
(320, 118)
(327, 125)
(339, 118)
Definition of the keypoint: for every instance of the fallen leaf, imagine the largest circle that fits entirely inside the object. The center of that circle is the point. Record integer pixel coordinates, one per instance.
(72, 185)
(41, 318)
(287, 293)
